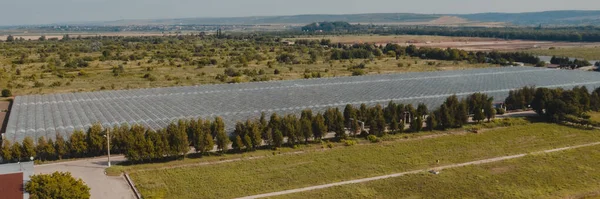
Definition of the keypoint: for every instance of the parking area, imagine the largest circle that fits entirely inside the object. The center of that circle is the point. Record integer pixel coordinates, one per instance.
(91, 171)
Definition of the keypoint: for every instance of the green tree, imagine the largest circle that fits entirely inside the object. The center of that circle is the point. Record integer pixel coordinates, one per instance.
(40, 148)
(277, 138)
(207, 143)
(136, 145)
(254, 133)
(394, 125)
(77, 144)
(61, 147)
(291, 128)
(50, 151)
(432, 122)
(416, 125)
(478, 114)
(57, 185)
(6, 152)
(17, 151)
(6, 93)
(446, 120)
(340, 130)
(10, 38)
(28, 148)
(306, 128)
(95, 141)
(218, 129)
(595, 101)
(318, 126)
(489, 110)
(349, 113)
(178, 140)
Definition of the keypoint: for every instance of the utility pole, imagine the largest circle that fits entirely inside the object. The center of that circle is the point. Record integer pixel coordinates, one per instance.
(108, 144)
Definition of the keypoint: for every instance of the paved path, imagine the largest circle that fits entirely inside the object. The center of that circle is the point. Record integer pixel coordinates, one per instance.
(91, 171)
(410, 172)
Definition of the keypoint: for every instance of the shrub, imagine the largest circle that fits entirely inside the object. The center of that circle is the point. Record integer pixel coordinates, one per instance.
(500, 111)
(57, 185)
(350, 142)
(6, 93)
(373, 138)
(358, 72)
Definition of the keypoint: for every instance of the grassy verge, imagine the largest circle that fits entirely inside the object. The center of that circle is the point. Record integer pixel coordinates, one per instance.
(567, 174)
(277, 173)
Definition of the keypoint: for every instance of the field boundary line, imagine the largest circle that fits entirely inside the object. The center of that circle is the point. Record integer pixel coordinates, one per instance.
(355, 181)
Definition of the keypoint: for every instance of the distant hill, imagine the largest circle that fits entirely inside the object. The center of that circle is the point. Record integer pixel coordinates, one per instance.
(296, 19)
(565, 17)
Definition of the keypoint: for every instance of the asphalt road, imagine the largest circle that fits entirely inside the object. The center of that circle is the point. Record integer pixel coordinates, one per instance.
(91, 171)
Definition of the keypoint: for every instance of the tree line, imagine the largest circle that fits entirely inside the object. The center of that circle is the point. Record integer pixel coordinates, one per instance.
(567, 62)
(557, 105)
(574, 34)
(140, 144)
(365, 51)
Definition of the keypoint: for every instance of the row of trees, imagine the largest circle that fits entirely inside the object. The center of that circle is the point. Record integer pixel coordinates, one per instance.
(363, 51)
(566, 62)
(140, 144)
(557, 105)
(579, 34)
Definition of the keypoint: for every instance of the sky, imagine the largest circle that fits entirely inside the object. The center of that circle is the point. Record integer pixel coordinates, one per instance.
(21, 12)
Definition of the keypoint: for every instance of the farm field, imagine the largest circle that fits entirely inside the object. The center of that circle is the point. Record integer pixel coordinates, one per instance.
(463, 43)
(83, 65)
(589, 53)
(516, 178)
(270, 174)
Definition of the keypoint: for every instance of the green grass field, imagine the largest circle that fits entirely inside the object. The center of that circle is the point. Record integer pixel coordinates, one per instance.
(278, 173)
(567, 174)
(589, 53)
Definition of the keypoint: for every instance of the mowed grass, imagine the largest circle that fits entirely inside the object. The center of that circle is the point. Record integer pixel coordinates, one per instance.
(567, 174)
(589, 53)
(229, 180)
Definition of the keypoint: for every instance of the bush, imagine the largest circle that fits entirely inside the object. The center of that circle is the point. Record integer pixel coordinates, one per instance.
(57, 185)
(350, 142)
(358, 72)
(6, 93)
(500, 111)
(373, 138)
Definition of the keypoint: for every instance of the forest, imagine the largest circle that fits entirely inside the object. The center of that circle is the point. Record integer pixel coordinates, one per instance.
(571, 34)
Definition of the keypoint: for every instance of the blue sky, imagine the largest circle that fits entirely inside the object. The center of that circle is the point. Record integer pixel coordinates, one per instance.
(16, 12)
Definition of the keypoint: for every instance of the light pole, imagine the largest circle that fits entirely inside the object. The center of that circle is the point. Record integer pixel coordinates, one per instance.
(108, 144)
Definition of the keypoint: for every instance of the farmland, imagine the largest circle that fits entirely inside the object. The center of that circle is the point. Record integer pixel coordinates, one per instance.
(517, 178)
(250, 177)
(589, 53)
(115, 63)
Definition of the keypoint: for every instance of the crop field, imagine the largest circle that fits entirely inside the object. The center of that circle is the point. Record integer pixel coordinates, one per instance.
(588, 53)
(534, 176)
(250, 177)
(44, 115)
